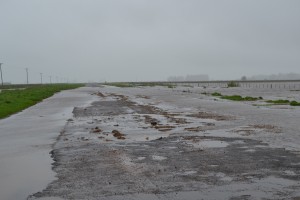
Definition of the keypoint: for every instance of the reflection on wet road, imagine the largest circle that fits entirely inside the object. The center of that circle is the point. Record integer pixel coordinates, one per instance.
(25, 143)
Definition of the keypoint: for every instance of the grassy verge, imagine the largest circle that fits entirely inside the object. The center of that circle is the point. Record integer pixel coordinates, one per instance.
(240, 98)
(234, 97)
(284, 102)
(13, 101)
(279, 101)
(247, 98)
(216, 94)
(294, 103)
(16, 86)
(119, 84)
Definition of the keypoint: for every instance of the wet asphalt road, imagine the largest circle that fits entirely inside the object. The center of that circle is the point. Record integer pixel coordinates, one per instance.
(26, 139)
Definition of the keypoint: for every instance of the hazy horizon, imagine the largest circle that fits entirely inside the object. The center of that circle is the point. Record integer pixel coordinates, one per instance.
(143, 40)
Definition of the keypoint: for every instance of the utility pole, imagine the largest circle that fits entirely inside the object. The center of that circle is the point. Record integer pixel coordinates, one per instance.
(1, 74)
(27, 75)
(41, 78)
(50, 79)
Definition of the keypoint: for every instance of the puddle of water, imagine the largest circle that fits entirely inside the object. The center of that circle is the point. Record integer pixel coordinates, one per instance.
(141, 158)
(290, 173)
(210, 144)
(158, 158)
(21, 175)
(48, 198)
(223, 177)
(261, 146)
(188, 173)
(25, 143)
(250, 150)
(295, 164)
(221, 133)
(238, 142)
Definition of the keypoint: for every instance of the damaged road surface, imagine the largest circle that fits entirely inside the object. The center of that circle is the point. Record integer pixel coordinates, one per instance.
(141, 143)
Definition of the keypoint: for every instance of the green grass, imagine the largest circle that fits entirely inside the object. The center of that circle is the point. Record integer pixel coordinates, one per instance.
(216, 94)
(120, 84)
(284, 102)
(235, 97)
(247, 98)
(171, 86)
(294, 103)
(279, 101)
(240, 98)
(13, 101)
(16, 86)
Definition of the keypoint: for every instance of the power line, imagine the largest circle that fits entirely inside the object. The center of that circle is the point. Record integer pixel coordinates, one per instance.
(27, 75)
(52, 78)
(1, 73)
(41, 78)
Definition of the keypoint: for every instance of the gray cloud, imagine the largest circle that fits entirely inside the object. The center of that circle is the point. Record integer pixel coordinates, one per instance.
(97, 40)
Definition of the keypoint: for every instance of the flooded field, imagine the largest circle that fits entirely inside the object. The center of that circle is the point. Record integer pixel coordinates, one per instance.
(178, 143)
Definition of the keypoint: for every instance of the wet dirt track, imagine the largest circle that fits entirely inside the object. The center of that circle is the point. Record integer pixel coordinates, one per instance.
(143, 144)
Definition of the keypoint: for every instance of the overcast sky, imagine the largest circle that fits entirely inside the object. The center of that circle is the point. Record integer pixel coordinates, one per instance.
(135, 40)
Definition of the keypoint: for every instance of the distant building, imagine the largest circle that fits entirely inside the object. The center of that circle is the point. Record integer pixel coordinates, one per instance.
(198, 77)
(176, 78)
(289, 76)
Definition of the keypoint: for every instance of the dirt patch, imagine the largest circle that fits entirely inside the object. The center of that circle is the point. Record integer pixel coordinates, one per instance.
(257, 128)
(121, 105)
(156, 124)
(96, 130)
(215, 116)
(180, 121)
(142, 97)
(195, 129)
(122, 97)
(267, 127)
(245, 132)
(150, 120)
(164, 128)
(191, 138)
(99, 94)
(118, 135)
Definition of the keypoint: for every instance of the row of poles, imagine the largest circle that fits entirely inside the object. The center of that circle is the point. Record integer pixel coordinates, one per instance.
(1, 73)
(27, 76)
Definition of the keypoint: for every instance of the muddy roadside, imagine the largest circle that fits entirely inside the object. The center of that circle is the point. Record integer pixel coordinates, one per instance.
(128, 147)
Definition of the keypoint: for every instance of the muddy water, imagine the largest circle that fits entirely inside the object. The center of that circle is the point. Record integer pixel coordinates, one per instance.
(25, 143)
(176, 145)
